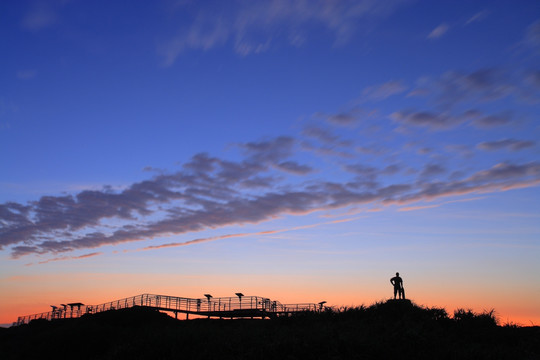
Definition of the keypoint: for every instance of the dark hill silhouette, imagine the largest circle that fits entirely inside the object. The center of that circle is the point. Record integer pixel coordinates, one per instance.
(383, 330)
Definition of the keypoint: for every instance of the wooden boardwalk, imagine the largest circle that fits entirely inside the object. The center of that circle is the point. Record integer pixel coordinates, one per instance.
(223, 307)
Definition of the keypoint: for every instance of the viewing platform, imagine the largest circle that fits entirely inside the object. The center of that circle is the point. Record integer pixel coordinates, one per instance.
(238, 306)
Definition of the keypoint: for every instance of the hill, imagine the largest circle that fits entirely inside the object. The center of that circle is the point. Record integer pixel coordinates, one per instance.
(382, 330)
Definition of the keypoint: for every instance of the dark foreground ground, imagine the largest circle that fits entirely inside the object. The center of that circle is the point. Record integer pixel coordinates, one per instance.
(397, 329)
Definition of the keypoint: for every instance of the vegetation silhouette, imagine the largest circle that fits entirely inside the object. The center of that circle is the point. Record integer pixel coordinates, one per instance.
(382, 330)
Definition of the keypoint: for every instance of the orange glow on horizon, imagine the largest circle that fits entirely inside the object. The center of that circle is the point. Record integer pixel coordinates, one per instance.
(507, 310)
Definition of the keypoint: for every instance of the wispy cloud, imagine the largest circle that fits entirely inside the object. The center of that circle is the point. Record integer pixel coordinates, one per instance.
(64, 258)
(325, 136)
(532, 36)
(489, 121)
(511, 144)
(432, 170)
(438, 31)
(252, 27)
(456, 97)
(431, 119)
(432, 206)
(342, 118)
(229, 236)
(477, 87)
(479, 16)
(40, 15)
(383, 91)
(419, 207)
(482, 85)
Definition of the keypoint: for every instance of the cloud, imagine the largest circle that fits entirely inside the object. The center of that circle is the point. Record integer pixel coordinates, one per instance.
(383, 91)
(196, 241)
(431, 206)
(432, 170)
(203, 34)
(420, 207)
(431, 119)
(438, 31)
(482, 85)
(507, 171)
(368, 173)
(184, 202)
(26, 74)
(259, 182)
(511, 144)
(201, 163)
(533, 77)
(342, 119)
(42, 14)
(485, 85)
(269, 151)
(490, 121)
(295, 168)
(532, 36)
(209, 192)
(501, 177)
(324, 150)
(63, 258)
(252, 27)
(229, 236)
(326, 142)
(479, 16)
(325, 136)
(460, 149)
(455, 90)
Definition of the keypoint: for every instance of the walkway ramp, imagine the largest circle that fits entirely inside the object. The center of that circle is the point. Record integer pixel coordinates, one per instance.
(222, 307)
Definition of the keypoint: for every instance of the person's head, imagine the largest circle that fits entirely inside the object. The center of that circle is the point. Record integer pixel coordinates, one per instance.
(397, 274)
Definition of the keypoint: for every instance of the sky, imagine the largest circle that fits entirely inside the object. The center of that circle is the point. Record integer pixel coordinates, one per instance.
(291, 149)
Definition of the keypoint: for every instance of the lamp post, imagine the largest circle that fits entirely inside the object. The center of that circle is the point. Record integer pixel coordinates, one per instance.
(239, 294)
(208, 296)
(54, 313)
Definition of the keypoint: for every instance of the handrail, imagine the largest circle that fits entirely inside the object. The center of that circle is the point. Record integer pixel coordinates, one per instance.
(221, 306)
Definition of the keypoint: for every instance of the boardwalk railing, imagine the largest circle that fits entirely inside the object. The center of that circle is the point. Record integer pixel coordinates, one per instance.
(233, 307)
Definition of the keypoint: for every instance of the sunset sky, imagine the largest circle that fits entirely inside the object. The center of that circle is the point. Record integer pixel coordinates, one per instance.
(301, 150)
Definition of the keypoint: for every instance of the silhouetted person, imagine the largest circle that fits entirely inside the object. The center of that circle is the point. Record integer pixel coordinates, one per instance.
(398, 286)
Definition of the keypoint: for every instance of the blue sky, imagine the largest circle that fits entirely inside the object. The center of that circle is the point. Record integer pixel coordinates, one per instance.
(342, 133)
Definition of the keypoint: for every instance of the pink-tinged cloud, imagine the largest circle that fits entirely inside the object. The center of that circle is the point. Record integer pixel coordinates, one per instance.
(228, 236)
(415, 208)
(197, 203)
(63, 258)
(422, 207)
